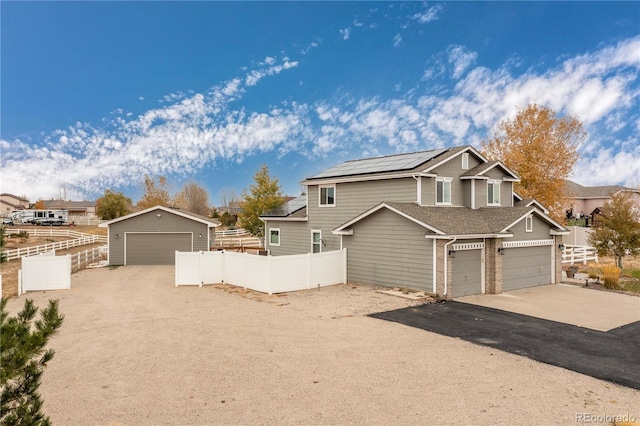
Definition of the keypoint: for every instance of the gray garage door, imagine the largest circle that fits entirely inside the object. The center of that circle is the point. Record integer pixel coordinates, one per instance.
(156, 248)
(467, 273)
(526, 267)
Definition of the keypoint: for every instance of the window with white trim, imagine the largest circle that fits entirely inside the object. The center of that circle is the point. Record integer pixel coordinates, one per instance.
(493, 192)
(316, 241)
(528, 223)
(465, 161)
(443, 190)
(327, 196)
(274, 236)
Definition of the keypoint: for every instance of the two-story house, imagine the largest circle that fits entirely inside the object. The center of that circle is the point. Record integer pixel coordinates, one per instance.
(445, 221)
(10, 203)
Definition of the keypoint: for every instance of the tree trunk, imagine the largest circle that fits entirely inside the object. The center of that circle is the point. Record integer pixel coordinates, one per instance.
(619, 261)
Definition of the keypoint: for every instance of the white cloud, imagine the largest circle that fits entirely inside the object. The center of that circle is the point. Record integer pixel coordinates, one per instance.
(397, 39)
(345, 33)
(429, 15)
(191, 132)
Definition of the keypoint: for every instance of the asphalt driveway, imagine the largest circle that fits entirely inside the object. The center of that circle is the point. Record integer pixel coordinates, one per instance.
(611, 355)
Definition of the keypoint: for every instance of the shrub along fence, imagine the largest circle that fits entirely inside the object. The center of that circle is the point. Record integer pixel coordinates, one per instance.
(267, 274)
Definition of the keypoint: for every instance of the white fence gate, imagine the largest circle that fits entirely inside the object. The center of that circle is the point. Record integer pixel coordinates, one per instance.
(267, 274)
(44, 272)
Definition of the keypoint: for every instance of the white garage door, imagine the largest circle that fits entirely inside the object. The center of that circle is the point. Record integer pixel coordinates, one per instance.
(155, 248)
(526, 267)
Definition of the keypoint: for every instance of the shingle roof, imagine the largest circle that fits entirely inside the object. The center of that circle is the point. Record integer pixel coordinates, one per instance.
(578, 191)
(463, 220)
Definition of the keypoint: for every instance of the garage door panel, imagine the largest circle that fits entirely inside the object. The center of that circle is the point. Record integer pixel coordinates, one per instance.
(526, 267)
(467, 273)
(155, 248)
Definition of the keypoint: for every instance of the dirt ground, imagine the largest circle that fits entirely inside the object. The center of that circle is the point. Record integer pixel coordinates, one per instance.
(136, 350)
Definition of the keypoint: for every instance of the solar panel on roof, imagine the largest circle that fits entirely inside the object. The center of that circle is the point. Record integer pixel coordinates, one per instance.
(390, 163)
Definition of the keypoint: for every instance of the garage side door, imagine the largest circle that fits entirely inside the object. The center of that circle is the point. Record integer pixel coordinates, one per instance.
(526, 267)
(155, 248)
(467, 273)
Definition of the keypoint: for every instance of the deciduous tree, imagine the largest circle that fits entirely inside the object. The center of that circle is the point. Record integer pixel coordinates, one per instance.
(155, 194)
(541, 147)
(194, 198)
(262, 196)
(39, 205)
(617, 229)
(113, 205)
(22, 361)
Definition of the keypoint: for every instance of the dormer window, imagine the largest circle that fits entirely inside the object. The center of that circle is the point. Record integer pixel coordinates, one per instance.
(465, 161)
(493, 193)
(443, 191)
(327, 196)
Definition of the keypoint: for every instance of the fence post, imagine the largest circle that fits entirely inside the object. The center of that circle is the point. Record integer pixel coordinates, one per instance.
(344, 265)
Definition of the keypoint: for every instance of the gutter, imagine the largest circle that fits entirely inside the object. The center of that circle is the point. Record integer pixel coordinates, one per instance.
(446, 258)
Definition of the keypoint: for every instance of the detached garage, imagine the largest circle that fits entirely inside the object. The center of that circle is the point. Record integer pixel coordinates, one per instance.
(152, 236)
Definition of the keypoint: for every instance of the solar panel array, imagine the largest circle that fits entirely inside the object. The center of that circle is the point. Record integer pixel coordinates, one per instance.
(390, 163)
(288, 208)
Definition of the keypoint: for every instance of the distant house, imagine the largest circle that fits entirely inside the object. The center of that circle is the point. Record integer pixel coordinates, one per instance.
(445, 221)
(588, 200)
(75, 208)
(10, 203)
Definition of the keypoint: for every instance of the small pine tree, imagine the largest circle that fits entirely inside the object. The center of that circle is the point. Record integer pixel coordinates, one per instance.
(22, 361)
(263, 195)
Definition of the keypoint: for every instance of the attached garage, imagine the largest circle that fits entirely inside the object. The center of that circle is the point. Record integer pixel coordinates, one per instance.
(152, 236)
(527, 264)
(467, 269)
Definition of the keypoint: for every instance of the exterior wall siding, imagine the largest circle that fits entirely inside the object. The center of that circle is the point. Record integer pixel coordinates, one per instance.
(295, 238)
(428, 191)
(352, 199)
(150, 222)
(452, 169)
(540, 231)
(390, 251)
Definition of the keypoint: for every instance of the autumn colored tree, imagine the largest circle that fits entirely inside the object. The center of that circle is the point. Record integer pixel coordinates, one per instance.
(155, 193)
(194, 198)
(617, 229)
(262, 196)
(113, 205)
(39, 205)
(542, 148)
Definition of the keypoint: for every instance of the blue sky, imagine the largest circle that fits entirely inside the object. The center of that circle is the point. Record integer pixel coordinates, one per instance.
(96, 95)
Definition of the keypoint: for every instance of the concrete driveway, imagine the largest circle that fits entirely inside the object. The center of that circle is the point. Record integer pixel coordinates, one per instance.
(569, 304)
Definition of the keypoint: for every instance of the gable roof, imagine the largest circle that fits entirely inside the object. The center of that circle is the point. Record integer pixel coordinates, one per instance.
(459, 221)
(529, 202)
(73, 205)
(578, 191)
(477, 171)
(211, 223)
(398, 165)
(6, 194)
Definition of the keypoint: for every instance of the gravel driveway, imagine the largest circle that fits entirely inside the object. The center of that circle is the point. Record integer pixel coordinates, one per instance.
(136, 350)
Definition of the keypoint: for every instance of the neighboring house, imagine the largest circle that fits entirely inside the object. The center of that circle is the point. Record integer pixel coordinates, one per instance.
(75, 208)
(442, 221)
(152, 236)
(587, 200)
(10, 203)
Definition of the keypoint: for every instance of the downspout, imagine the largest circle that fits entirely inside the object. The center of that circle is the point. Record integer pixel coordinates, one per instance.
(446, 259)
(418, 179)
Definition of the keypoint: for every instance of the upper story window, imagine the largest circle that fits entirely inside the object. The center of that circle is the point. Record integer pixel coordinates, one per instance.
(529, 223)
(327, 196)
(443, 190)
(465, 161)
(274, 236)
(493, 193)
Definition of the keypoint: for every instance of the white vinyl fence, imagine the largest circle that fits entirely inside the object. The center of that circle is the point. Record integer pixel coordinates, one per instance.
(44, 272)
(267, 274)
(578, 254)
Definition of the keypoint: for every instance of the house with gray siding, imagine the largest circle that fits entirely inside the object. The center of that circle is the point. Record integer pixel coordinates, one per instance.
(152, 236)
(445, 221)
